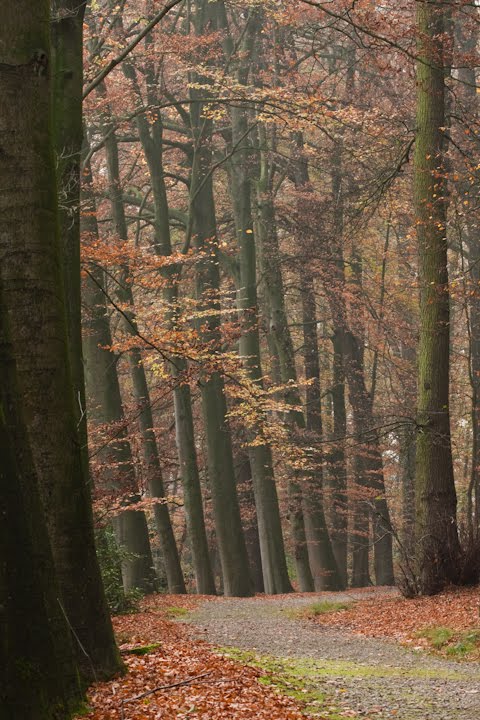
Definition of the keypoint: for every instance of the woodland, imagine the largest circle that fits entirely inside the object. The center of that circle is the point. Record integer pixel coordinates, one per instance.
(239, 332)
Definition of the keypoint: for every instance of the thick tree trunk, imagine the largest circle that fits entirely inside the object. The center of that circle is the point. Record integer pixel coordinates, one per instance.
(38, 676)
(438, 548)
(31, 267)
(67, 79)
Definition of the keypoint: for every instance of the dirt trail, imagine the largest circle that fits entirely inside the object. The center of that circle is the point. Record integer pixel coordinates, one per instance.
(354, 676)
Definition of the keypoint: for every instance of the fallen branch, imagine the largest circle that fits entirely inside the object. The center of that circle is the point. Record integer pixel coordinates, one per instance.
(189, 681)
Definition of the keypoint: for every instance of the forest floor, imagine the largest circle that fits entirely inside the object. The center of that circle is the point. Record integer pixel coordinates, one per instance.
(332, 656)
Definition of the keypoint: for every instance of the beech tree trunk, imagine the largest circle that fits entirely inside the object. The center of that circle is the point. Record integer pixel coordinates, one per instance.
(151, 460)
(274, 566)
(67, 81)
(32, 273)
(38, 677)
(105, 409)
(151, 137)
(336, 568)
(438, 549)
(320, 555)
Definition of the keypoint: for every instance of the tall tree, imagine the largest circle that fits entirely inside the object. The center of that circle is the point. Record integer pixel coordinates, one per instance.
(150, 132)
(438, 548)
(33, 290)
(105, 408)
(150, 456)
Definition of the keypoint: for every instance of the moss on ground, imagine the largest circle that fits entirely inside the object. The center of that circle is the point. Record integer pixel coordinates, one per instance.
(299, 678)
(176, 612)
(144, 649)
(318, 608)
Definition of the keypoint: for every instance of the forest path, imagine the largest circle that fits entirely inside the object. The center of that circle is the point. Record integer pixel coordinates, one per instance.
(338, 673)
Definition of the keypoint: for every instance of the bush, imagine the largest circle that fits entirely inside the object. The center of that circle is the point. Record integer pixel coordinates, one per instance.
(111, 556)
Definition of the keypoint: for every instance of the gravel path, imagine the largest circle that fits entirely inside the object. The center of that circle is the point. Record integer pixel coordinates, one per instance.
(362, 677)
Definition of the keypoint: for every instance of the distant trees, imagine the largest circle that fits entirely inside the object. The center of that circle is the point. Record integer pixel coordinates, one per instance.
(287, 213)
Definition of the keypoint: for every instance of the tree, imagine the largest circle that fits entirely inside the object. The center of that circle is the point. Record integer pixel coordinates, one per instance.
(30, 258)
(438, 549)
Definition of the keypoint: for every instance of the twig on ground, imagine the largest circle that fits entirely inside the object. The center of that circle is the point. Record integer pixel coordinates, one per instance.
(188, 681)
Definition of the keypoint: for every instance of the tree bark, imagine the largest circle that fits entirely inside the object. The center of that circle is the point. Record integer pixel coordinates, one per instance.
(38, 677)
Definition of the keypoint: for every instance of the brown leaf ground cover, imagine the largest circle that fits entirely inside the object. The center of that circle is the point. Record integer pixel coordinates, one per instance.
(457, 609)
(159, 652)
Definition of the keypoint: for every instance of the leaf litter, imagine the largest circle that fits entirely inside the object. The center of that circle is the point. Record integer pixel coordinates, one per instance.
(179, 677)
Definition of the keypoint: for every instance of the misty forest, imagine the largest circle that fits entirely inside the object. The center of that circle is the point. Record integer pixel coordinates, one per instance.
(239, 359)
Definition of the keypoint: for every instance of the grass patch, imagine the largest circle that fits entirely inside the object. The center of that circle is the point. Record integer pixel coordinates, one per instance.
(455, 644)
(319, 608)
(176, 612)
(438, 637)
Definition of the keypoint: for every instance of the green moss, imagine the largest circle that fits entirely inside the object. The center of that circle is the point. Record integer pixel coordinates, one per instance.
(318, 608)
(82, 710)
(437, 636)
(144, 649)
(174, 612)
(301, 678)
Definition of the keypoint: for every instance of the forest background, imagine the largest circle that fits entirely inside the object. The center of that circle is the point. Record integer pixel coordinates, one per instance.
(279, 375)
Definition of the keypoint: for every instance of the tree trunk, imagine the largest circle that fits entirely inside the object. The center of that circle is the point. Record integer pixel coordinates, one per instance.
(228, 527)
(151, 137)
(151, 460)
(438, 549)
(246, 499)
(202, 226)
(39, 677)
(319, 549)
(67, 79)
(274, 565)
(31, 265)
(337, 461)
(466, 27)
(105, 409)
